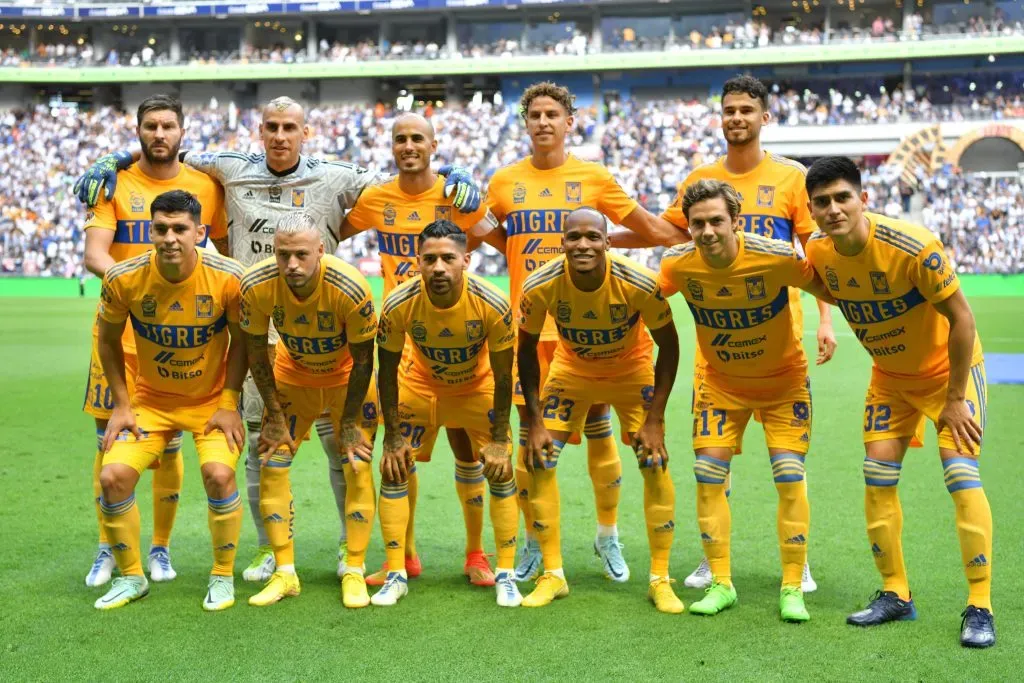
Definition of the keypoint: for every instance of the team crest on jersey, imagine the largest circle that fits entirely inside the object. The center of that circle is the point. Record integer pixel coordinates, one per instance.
(442, 213)
(148, 305)
(765, 196)
(278, 315)
(274, 192)
(518, 193)
(138, 202)
(756, 288)
(619, 313)
(879, 283)
(204, 306)
(563, 313)
(832, 279)
(695, 289)
(298, 198)
(474, 330)
(389, 215)
(574, 192)
(325, 321)
(418, 331)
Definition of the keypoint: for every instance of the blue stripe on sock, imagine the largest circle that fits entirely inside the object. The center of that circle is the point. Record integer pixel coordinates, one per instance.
(710, 470)
(787, 468)
(960, 474)
(881, 472)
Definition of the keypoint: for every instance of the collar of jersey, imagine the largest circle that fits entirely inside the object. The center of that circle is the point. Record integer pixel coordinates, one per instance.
(289, 171)
(163, 280)
(742, 239)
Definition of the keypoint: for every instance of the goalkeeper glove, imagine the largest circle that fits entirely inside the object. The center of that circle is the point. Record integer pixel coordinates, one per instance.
(459, 182)
(101, 174)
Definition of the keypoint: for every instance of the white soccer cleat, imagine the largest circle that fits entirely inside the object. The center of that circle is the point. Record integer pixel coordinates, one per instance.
(395, 588)
(262, 566)
(701, 576)
(220, 593)
(508, 591)
(124, 590)
(807, 582)
(160, 569)
(102, 568)
(342, 559)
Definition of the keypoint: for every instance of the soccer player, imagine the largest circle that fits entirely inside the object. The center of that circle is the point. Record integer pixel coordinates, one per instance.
(736, 285)
(532, 197)
(773, 204)
(897, 289)
(323, 313)
(601, 304)
(452, 318)
(260, 190)
(183, 304)
(116, 229)
(398, 210)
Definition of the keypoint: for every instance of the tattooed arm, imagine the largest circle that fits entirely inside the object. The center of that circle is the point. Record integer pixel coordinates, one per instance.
(497, 453)
(351, 439)
(394, 464)
(275, 433)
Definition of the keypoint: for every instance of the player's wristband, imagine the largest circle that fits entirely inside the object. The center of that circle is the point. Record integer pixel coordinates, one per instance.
(228, 399)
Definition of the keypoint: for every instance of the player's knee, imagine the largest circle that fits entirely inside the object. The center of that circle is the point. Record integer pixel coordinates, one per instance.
(116, 483)
(218, 479)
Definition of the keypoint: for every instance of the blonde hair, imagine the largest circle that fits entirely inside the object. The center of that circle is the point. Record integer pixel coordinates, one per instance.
(297, 222)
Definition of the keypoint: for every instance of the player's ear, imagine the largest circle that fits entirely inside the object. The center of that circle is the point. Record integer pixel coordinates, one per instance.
(320, 248)
(200, 233)
(864, 197)
(305, 131)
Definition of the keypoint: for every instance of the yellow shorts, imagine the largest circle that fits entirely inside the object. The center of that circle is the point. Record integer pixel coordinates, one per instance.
(545, 354)
(721, 414)
(99, 401)
(422, 416)
(139, 454)
(895, 409)
(566, 397)
(304, 405)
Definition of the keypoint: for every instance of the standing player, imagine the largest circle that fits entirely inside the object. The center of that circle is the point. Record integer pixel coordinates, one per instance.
(398, 210)
(182, 303)
(323, 313)
(532, 197)
(736, 285)
(260, 190)
(773, 204)
(901, 296)
(451, 318)
(117, 229)
(601, 304)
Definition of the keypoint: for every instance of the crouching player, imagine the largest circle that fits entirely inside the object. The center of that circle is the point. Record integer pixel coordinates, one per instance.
(452, 318)
(182, 303)
(736, 285)
(322, 310)
(604, 355)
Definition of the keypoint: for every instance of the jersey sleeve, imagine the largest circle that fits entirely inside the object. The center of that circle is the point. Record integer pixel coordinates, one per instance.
(667, 272)
(500, 331)
(254, 318)
(674, 213)
(654, 310)
(361, 215)
(803, 223)
(221, 166)
(361, 320)
(532, 311)
(391, 327)
(798, 271)
(102, 215)
(467, 221)
(350, 181)
(492, 198)
(613, 200)
(933, 274)
(219, 224)
(115, 300)
(232, 299)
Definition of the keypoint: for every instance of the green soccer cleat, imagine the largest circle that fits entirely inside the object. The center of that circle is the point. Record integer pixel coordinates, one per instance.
(125, 589)
(262, 566)
(717, 597)
(220, 593)
(791, 605)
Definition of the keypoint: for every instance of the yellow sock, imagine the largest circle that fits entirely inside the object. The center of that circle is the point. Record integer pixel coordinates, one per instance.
(224, 516)
(123, 523)
(546, 507)
(505, 520)
(659, 513)
(278, 508)
(713, 515)
(885, 523)
(605, 468)
(524, 482)
(793, 518)
(166, 491)
(359, 511)
(973, 526)
(394, 516)
(97, 492)
(469, 484)
(413, 481)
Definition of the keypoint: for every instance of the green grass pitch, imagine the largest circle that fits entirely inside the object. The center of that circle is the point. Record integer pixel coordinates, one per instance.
(447, 630)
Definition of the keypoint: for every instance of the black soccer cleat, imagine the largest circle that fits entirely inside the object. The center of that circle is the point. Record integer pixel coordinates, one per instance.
(884, 607)
(978, 629)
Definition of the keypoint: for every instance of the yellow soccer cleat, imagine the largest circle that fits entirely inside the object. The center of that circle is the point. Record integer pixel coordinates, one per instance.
(353, 590)
(549, 587)
(280, 586)
(664, 598)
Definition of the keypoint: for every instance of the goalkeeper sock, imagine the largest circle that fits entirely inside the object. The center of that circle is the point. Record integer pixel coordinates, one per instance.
(335, 470)
(253, 469)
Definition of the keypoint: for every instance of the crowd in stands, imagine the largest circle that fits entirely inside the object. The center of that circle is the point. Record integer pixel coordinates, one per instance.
(649, 148)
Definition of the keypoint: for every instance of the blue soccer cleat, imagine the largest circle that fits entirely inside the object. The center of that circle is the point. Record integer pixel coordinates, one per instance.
(978, 628)
(884, 607)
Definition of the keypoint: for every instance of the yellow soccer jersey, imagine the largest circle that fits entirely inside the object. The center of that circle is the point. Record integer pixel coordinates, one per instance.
(772, 195)
(181, 329)
(886, 292)
(127, 214)
(598, 332)
(314, 332)
(450, 346)
(742, 313)
(533, 202)
(399, 218)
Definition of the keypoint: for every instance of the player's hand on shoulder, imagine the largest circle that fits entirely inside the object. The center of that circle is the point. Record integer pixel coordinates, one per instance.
(649, 445)
(274, 436)
(459, 182)
(102, 174)
(230, 423)
(497, 459)
(956, 416)
(122, 419)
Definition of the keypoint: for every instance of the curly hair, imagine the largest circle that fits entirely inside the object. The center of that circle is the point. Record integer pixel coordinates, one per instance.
(559, 93)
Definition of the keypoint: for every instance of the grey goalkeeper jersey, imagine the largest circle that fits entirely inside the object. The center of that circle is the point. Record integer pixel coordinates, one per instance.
(256, 198)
